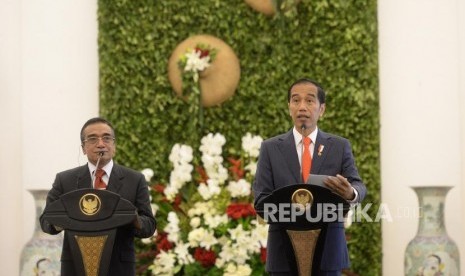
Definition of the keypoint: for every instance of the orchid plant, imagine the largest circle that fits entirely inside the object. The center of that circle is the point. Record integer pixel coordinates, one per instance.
(196, 60)
(192, 63)
(206, 222)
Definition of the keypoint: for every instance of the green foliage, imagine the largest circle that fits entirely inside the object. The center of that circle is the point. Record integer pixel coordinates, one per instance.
(333, 42)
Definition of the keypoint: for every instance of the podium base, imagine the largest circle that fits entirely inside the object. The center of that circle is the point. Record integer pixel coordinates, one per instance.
(91, 249)
(304, 244)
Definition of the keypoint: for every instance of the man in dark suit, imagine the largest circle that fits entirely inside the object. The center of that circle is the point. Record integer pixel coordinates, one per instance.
(279, 165)
(98, 141)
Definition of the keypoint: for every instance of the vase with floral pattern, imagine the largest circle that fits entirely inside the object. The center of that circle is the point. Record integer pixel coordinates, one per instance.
(432, 252)
(41, 254)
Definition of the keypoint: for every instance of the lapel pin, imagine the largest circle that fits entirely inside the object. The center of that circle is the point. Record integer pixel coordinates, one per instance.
(320, 149)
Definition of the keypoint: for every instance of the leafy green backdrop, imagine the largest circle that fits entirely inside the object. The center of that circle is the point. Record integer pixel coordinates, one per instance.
(331, 41)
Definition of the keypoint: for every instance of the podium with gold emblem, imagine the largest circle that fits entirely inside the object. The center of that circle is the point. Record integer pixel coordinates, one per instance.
(302, 212)
(90, 217)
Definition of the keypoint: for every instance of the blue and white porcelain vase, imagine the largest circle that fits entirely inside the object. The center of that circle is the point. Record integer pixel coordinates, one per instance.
(432, 252)
(41, 254)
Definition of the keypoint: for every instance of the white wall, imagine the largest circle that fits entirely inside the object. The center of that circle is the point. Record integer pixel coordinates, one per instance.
(422, 141)
(461, 59)
(10, 137)
(49, 88)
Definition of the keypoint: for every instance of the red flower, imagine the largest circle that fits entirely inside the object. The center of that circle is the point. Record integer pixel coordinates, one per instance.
(203, 53)
(206, 258)
(203, 177)
(263, 254)
(162, 243)
(177, 201)
(240, 210)
(236, 168)
(159, 188)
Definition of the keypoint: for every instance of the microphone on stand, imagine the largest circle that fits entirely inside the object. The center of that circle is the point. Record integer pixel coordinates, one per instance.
(303, 127)
(100, 154)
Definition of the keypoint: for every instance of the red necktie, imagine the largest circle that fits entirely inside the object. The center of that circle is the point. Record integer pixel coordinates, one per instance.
(99, 183)
(306, 159)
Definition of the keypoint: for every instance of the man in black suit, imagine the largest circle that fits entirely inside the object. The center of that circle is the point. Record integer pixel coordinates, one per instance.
(98, 140)
(279, 166)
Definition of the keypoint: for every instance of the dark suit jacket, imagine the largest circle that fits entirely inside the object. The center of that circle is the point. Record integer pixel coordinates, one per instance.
(278, 166)
(130, 185)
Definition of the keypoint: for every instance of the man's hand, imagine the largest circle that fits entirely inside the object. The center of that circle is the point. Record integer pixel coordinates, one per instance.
(57, 228)
(136, 222)
(339, 185)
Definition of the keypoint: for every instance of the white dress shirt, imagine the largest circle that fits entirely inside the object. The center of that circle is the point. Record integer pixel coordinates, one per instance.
(107, 168)
(298, 142)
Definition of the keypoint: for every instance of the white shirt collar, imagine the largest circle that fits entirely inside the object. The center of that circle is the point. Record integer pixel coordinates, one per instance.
(298, 136)
(107, 168)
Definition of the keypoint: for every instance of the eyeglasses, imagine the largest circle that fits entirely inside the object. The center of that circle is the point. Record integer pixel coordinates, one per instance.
(107, 139)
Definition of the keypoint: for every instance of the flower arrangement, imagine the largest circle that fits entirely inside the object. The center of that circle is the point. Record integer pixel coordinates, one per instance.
(196, 60)
(206, 222)
(192, 63)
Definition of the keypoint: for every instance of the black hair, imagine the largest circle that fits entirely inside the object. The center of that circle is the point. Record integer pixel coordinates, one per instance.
(321, 93)
(95, 120)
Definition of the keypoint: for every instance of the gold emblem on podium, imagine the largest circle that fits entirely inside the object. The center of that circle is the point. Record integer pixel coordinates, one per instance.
(89, 204)
(303, 198)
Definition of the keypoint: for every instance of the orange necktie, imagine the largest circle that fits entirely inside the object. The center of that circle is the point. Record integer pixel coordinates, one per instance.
(306, 159)
(99, 183)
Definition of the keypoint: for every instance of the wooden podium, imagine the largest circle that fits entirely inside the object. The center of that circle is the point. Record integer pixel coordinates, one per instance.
(304, 222)
(90, 218)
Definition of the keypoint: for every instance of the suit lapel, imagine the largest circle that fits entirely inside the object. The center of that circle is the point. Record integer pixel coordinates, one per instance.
(84, 180)
(288, 150)
(116, 179)
(322, 147)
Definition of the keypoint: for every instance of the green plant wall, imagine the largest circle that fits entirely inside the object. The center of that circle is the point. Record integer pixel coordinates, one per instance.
(331, 41)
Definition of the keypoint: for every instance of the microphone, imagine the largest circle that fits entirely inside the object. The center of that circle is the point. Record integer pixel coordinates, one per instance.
(303, 127)
(100, 154)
